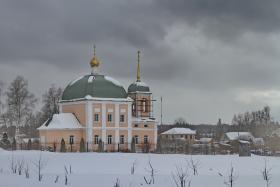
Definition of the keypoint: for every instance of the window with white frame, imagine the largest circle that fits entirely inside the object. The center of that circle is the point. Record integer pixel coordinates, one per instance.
(133, 107)
(146, 139)
(122, 118)
(110, 118)
(136, 139)
(109, 140)
(71, 139)
(96, 139)
(144, 103)
(121, 139)
(96, 117)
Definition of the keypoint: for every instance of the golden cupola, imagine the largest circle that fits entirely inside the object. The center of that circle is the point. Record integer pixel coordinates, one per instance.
(94, 63)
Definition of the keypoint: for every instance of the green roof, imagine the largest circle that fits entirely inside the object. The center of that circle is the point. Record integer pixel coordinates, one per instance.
(138, 86)
(94, 85)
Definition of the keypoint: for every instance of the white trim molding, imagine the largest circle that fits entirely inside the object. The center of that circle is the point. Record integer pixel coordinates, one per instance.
(89, 123)
(103, 133)
(117, 125)
(129, 123)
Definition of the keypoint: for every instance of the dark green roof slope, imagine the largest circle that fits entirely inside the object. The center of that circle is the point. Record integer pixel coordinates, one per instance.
(94, 85)
(138, 86)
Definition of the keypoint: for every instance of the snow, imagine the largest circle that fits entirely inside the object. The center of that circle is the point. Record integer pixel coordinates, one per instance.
(276, 132)
(258, 141)
(76, 80)
(91, 78)
(62, 121)
(179, 131)
(103, 169)
(244, 142)
(205, 140)
(144, 119)
(239, 135)
(140, 83)
(114, 81)
(89, 97)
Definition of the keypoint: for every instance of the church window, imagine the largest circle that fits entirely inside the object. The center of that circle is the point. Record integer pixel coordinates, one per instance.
(133, 107)
(110, 118)
(109, 139)
(121, 139)
(71, 139)
(122, 118)
(144, 103)
(96, 139)
(146, 140)
(136, 139)
(96, 117)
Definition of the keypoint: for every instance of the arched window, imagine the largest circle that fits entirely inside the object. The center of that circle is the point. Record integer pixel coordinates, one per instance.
(133, 107)
(144, 105)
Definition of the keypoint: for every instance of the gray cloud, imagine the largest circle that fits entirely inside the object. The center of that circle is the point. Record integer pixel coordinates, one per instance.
(199, 55)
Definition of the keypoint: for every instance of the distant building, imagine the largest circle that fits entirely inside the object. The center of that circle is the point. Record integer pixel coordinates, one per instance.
(98, 109)
(238, 140)
(184, 134)
(176, 140)
(232, 136)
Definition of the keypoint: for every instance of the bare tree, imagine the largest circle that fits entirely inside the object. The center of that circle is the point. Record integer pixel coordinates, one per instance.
(66, 173)
(66, 170)
(20, 166)
(118, 183)
(56, 179)
(152, 174)
(133, 168)
(181, 178)
(266, 173)
(50, 101)
(13, 164)
(20, 102)
(39, 166)
(26, 171)
(231, 178)
(194, 165)
(66, 179)
(180, 121)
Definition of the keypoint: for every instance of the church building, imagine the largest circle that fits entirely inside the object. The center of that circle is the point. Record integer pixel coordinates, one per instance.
(99, 110)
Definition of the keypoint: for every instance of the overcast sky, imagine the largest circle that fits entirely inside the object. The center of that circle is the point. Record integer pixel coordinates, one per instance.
(207, 59)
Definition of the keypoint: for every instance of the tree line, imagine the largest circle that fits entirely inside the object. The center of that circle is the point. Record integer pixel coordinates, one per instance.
(258, 117)
(21, 110)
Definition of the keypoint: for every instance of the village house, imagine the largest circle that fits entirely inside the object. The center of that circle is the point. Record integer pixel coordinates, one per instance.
(177, 140)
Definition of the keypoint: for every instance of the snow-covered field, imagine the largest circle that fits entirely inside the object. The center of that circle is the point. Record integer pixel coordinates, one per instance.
(103, 169)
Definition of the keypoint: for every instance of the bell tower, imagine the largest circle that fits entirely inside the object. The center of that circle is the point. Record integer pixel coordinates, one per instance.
(141, 95)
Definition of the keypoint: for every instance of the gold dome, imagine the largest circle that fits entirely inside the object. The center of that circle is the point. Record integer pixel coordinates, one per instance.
(94, 61)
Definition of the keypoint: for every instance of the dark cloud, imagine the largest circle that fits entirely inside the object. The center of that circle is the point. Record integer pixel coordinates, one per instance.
(226, 19)
(200, 55)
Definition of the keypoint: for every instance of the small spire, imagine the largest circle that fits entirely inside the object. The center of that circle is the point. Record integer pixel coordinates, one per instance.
(94, 50)
(138, 67)
(94, 63)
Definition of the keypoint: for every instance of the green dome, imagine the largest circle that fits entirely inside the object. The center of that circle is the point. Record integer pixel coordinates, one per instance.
(138, 86)
(94, 85)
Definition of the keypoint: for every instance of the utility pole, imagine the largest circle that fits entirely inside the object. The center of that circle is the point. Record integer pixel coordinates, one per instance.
(160, 110)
